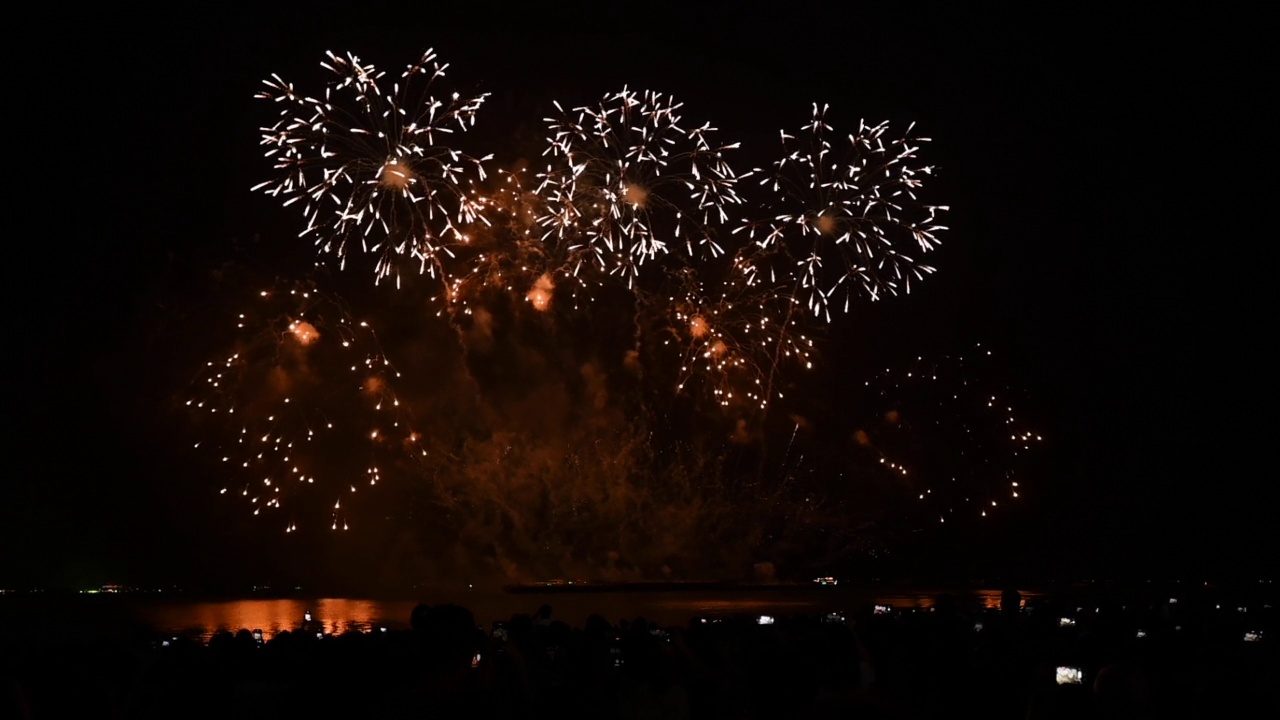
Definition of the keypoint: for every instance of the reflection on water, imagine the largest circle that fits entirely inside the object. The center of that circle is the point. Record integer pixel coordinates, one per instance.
(988, 599)
(201, 619)
(328, 615)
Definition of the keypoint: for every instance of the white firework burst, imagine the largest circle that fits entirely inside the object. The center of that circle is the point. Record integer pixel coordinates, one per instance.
(846, 220)
(370, 164)
(627, 183)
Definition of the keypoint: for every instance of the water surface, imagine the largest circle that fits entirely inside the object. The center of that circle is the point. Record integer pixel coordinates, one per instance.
(125, 616)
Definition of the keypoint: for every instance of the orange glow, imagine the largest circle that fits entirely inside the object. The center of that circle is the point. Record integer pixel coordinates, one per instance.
(636, 195)
(304, 332)
(698, 327)
(396, 176)
(826, 224)
(374, 385)
(540, 294)
(331, 615)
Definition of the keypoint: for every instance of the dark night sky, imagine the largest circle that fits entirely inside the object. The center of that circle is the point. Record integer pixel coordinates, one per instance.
(1098, 166)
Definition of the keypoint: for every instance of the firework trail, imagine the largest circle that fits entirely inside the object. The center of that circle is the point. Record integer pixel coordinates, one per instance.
(946, 431)
(304, 410)
(628, 184)
(842, 223)
(370, 164)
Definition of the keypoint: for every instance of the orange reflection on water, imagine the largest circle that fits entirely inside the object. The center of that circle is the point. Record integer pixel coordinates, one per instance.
(922, 600)
(328, 615)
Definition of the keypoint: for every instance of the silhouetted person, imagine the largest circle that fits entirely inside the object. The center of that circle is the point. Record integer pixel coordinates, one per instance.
(1010, 602)
(543, 617)
(447, 641)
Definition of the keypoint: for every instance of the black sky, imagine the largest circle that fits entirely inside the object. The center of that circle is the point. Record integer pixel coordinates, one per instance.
(1099, 168)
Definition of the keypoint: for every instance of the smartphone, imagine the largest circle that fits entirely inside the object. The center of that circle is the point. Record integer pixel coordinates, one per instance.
(764, 620)
(499, 631)
(836, 618)
(475, 660)
(1253, 636)
(1066, 622)
(1068, 675)
(881, 610)
(257, 635)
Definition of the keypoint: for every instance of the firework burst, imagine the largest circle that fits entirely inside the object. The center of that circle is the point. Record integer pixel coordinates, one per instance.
(304, 410)
(628, 183)
(946, 430)
(370, 164)
(844, 223)
(633, 242)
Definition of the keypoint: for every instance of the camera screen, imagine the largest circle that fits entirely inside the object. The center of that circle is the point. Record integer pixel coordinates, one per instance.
(1070, 675)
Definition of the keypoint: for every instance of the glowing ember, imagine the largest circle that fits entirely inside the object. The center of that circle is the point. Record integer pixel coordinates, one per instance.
(396, 176)
(698, 327)
(304, 332)
(540, 294)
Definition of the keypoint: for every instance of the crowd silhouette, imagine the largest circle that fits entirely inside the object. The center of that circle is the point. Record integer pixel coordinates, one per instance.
(1040, 659)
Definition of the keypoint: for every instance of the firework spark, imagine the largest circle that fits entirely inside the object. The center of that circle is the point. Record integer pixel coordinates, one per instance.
(370, 164)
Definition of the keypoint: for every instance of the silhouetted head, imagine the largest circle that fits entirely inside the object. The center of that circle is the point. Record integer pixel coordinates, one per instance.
(945, 604)
(597, 626)
(1010, 601)
(448, 637)
(419, 616)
